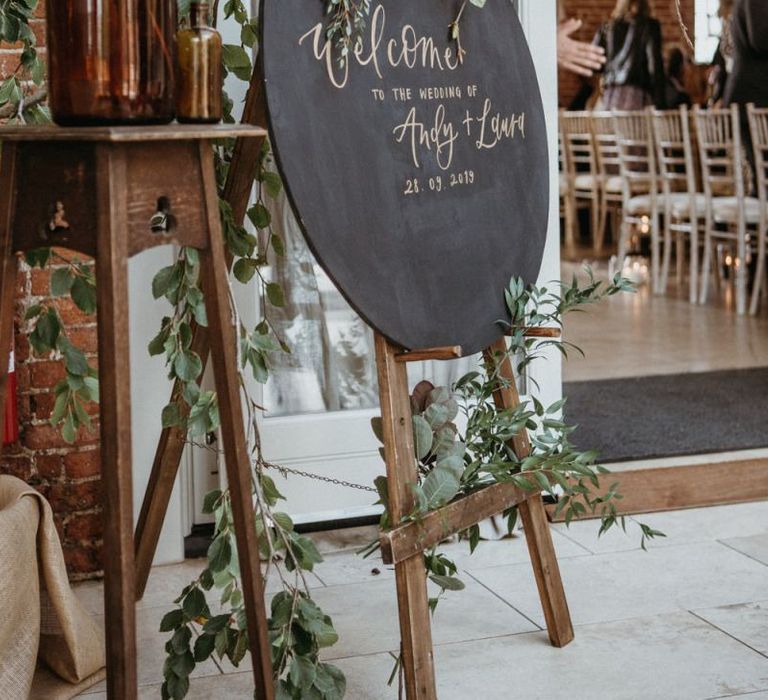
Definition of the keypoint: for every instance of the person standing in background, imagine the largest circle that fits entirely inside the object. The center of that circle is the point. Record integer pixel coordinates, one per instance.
(677, 95)
(748, 81)
(722, 63)
(633, 76)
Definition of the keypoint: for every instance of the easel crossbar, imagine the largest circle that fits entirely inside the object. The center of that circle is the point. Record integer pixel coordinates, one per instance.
(411, 539)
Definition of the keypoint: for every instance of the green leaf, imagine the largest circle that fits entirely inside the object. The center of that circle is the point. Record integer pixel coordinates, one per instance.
(448, 583)
(422, 433)
(302, 673)
(180, 640)
(187, 366)
(244, 270)
(219, 553)
(204, 646)
(84, 295)
(275, 294)
(194, 604)
(171, 416)
(164, 281)
(440, 486)
(210, 501)
(61, 281)
(172, 620)
(259, 216)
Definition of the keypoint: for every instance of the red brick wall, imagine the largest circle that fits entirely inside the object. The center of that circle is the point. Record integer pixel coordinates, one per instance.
(595, 12)
(68, 475)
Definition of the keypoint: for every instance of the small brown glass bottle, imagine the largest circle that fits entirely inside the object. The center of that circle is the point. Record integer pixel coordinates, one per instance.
(199, 82)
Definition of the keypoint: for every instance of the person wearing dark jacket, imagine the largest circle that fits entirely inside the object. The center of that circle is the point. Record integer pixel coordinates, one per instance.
(633, 76)
(748, 81)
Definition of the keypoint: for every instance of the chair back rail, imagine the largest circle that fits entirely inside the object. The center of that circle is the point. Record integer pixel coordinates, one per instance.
(580, 154)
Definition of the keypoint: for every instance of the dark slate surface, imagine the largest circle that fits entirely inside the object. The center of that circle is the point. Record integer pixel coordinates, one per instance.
(670, 415)
(427, 268)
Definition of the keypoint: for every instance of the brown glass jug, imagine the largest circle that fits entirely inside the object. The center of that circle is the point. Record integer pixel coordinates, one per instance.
(111, 61)
(199, 81)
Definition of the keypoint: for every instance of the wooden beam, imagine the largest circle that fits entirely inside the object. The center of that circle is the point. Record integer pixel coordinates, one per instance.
(452, 352)
(691, 486)
(410, 575)
(408, 540)
(542, 332)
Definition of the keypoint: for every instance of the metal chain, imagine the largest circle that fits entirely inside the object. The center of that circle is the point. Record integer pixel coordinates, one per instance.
(317, 477)
(287, 470)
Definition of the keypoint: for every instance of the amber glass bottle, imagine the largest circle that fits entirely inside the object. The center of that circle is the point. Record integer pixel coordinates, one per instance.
(199, 81)
(111, 61)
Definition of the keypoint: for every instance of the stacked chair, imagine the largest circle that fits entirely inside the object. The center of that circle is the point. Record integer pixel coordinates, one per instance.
(681, 177)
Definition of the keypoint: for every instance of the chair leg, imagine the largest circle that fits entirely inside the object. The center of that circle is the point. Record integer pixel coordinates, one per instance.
(595, 212)
(655, 253)
(664, 281)
(624, 231)
(694, 262)
(759, 272)
(115, 418)
(599, 241)
(570, 224)
(706, 265)
(238, 464)
(680, 259)
(741, 272)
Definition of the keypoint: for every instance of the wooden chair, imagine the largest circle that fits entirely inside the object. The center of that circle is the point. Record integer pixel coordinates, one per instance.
(640, 205)
(758, 126)
(609, 171)
(567, 206)
(729, 211)
(683, 205)
(581, 160)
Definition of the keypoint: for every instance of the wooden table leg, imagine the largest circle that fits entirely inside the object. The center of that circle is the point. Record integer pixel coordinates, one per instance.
(115, 417)
(239, 471)
(8, 263)
(410, 575)
(534, 517)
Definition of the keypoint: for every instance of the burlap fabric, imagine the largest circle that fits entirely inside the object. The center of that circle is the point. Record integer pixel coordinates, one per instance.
(50, 647)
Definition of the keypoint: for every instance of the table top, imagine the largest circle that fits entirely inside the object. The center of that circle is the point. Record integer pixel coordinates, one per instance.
(163, 132)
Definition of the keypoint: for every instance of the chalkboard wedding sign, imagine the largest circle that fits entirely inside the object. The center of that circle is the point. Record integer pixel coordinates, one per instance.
(420, 180)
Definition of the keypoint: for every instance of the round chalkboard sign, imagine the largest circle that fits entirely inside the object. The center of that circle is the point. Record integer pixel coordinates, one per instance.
(420, 179)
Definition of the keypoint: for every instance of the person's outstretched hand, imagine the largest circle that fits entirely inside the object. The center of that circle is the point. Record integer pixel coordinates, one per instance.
(577, 56)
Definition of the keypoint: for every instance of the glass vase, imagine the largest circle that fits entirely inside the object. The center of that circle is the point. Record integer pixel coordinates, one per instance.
(111, 61)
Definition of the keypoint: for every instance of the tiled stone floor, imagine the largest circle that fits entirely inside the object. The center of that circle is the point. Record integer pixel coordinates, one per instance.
(687, 619)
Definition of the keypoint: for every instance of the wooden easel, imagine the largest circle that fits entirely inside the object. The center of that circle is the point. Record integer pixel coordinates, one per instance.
(105, 184)
(405, 544)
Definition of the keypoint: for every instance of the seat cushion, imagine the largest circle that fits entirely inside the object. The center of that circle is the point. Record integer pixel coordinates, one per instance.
(681, 205)
(637, 206)
(585, 182)
(614, 184)
(726, 210)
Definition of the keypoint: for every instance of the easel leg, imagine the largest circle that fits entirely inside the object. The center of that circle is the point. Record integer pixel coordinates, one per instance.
(239, 473)
(534, 517)
(115, 417)
(410, 575)
(8, 263)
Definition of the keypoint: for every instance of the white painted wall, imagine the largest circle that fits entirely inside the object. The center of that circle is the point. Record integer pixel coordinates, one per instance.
(150, 390)
(539, 20)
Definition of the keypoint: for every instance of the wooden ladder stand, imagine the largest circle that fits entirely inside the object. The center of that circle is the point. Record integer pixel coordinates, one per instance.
(405, 544)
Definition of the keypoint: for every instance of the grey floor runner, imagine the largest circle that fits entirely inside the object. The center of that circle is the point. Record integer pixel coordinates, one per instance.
(670, 415)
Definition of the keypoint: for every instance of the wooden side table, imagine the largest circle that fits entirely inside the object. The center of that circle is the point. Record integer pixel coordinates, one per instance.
(94, 190)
